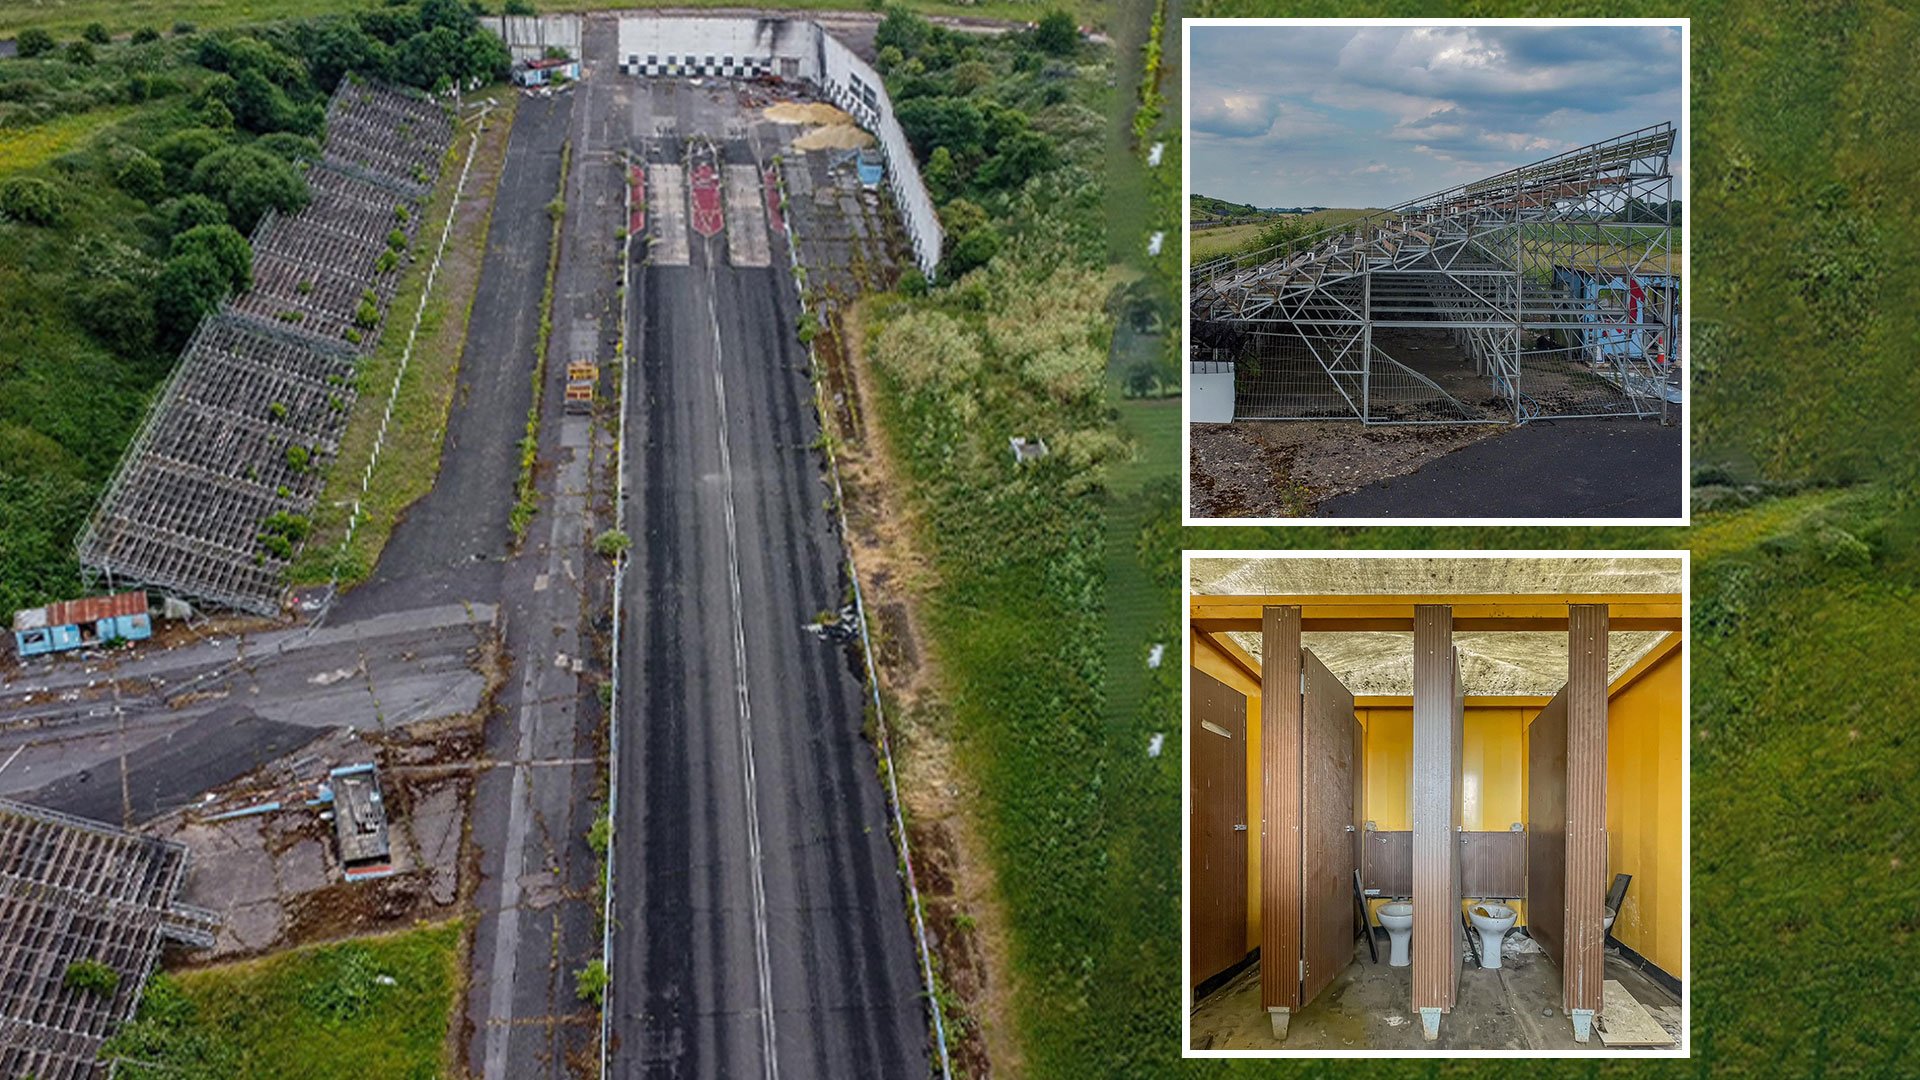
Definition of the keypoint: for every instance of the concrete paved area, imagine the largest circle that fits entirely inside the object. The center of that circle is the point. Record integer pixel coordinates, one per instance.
(1368, 1006)
(154, 726)
(1548, 468)
(761, 926)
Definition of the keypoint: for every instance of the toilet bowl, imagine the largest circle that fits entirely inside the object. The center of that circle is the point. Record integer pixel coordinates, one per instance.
(1607, 923)
(1492, 921)
(1397, 918)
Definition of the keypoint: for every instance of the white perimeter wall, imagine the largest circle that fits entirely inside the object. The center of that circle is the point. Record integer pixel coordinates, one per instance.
(739, 44)
(528, 36)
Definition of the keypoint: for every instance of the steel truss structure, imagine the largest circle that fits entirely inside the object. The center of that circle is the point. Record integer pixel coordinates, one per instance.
(73, 890)
(1551, 290)
(260, 399)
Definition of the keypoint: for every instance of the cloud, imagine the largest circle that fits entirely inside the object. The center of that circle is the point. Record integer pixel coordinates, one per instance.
(1344, 116)
(1234, 115)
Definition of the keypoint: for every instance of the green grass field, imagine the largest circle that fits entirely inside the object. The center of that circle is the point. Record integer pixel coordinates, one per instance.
(1208, 243)
(374, 1008)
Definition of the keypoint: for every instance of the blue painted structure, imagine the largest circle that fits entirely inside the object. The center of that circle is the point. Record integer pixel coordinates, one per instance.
(74, 624)
(1606, 292)
(871, 167)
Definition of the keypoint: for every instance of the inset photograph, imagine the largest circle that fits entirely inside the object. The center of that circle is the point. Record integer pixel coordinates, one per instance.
(1436, 270)
(1436, 804)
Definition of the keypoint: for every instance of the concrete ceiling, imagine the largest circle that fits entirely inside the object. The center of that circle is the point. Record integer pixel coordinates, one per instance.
(1491, 663)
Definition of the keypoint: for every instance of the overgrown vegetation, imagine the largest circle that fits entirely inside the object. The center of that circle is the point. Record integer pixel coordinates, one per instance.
(1013, 342)
(127, 187)
(370, 1007)
(92, 976)
(527, 491)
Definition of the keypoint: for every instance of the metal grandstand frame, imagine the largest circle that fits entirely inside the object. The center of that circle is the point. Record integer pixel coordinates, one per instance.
(76, 890)
(1558, 281)
(261, 397)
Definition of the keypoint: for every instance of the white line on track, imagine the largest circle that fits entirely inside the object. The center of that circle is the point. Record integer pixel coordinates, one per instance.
(767, 1032)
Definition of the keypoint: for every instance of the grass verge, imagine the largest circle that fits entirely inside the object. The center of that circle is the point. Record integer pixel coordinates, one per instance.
(528, 500)
(410, 460)
(370, 1007)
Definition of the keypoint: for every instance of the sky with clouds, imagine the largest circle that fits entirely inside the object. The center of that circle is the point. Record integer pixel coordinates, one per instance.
(1378, 115)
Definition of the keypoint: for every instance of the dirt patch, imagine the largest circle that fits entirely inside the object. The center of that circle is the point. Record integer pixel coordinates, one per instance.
(1285, 469)
(834, 137)
(805, 112)
(966, 924)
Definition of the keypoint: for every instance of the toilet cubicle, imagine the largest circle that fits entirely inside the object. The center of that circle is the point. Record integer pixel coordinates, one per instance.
(1312, 802)
(1439, 713)
(1567, 820)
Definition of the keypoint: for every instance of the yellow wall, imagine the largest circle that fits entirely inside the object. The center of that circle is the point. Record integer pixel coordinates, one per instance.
(1492, 766)
(1645, 734)
(1208, 658)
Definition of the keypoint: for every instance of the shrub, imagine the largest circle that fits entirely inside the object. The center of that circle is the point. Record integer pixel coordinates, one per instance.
(366, 315)
(612, 544)
(590, 982)
(519, 7)
(557, 209)
(79, 52)
(119, 315)
(92, 976)
(96, 33)
(33, 41)
(600, 836)
(145, 34)
(32, 200)
(277, 410)
(290, 147)
(182, 28)
(298, 458)
(387, 261)
(397, 240)
(913, 282)
(138, 174)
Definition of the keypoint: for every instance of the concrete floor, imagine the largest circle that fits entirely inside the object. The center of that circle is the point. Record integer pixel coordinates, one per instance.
(1368, 1007)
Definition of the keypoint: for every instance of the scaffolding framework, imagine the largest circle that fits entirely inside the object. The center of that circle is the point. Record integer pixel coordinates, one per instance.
(73, 890)
(260, 399)
(1550, 290)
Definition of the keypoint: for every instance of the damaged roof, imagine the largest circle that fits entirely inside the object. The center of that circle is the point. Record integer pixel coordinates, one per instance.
(1492, 663)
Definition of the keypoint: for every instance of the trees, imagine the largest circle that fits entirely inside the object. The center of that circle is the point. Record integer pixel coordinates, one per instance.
(250, 181)
(179, 152)
(190, 288)
(1056, 34)
(33, 41)
(189, 211)
(954, 123)
(225, 246)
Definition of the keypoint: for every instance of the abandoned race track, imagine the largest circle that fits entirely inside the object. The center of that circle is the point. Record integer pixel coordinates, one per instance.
(760, 922)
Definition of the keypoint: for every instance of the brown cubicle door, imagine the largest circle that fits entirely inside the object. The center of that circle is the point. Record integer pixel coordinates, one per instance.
(1217, 836)
(1327, 819)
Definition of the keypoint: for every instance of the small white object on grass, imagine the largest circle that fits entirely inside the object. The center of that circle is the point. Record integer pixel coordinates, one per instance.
(1156, 654)
(1154, 242)
(1153, 155)
(1154, 743)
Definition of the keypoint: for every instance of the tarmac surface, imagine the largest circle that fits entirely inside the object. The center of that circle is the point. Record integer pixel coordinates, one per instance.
(761, 926)
(1557, 468)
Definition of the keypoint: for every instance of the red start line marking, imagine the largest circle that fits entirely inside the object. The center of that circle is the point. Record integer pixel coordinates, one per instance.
(707, 218)
(637, 181)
